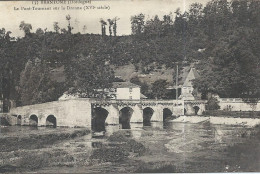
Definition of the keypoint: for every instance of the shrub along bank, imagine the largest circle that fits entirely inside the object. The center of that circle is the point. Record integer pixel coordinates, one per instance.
(235, 114)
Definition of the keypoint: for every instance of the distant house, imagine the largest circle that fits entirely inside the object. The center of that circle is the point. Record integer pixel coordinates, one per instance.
(119, 90)
(187, 90)
(127, 90)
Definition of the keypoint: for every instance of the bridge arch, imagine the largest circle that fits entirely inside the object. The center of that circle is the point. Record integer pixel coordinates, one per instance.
(19, 120)
(33, 120)
(147, 115)
(99, 116)
(51, 121)
(196, 109)
(167, 113)
(125, 115)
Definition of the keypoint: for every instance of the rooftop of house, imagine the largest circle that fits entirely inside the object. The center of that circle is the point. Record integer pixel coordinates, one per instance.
(193, 74)
(125, 85)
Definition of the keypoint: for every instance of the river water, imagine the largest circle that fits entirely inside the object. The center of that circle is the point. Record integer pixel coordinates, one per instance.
(190, 147)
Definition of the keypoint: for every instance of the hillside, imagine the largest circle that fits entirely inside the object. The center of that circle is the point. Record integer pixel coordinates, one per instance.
(221, 40)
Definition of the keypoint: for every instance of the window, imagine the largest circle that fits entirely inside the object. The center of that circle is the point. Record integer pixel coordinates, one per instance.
(130, 89)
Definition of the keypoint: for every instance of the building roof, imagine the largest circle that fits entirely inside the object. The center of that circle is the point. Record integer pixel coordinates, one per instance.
(143, 96)
(125, 85)
(193, 74)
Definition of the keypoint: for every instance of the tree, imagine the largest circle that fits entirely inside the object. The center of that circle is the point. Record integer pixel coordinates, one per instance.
(25, 27)
(212, 104)
(84, 29)
(154, 27)
(110, 23)
(89, 73)
(36, 85)
(115, 25)
(103, 27)
(137, 24)
(159, 89)
(68, 18)
(39, 32)
(56, 27)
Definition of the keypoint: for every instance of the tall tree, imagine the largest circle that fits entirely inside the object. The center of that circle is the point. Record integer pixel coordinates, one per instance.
(103, 27)
(26, 27)
(68, 18)
(89, 73)
(159, 90)
(56, 27)
(36, 85)
(110, 23)
(137, 24)
(115, 25)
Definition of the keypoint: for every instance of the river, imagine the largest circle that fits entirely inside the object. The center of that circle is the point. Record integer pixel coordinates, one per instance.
(190, 147)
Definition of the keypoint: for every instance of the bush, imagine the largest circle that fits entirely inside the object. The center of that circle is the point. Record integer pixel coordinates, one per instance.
(118, 152)
(158, 167)
(212, 104)
(105, 154)
(117, 137)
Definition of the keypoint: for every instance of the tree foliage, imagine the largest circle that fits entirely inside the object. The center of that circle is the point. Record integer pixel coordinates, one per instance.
(35, 84)
(212, 104)
(159, 89)
(222, 38)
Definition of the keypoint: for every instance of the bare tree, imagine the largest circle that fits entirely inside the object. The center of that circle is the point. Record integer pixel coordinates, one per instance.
(84, 29)
(68, 18)
(103, 26)
(56, 27)
(115, 25)
(110, 23)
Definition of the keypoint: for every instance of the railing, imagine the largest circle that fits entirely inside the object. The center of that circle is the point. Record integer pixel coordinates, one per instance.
(142, 101)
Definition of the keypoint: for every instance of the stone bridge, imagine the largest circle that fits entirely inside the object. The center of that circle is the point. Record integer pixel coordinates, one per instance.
(194, 107)
(85, 112)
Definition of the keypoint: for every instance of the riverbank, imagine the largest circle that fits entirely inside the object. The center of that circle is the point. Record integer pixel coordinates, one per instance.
(30, 148)
(250, 122)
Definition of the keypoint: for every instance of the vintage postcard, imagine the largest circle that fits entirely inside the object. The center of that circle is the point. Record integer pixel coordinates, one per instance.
(129, 86)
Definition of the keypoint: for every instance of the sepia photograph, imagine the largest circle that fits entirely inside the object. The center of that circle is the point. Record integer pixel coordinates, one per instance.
(129, 86)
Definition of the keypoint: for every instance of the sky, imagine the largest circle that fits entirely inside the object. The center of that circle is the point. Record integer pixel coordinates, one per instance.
(123, 9)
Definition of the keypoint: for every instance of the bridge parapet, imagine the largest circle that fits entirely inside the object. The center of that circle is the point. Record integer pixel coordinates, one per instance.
(134, 102)
(195, 102)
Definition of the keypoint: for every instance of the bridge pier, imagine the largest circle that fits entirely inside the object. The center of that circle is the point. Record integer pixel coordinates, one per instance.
(137, 116)
(113, 116)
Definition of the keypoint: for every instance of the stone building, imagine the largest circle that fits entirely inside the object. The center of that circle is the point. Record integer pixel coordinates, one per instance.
(119, 91)
(127, 90)
(187, 90)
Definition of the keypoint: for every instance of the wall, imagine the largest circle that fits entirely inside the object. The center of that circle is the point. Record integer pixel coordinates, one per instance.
(125, 93)
(236, 104)
(71, 113)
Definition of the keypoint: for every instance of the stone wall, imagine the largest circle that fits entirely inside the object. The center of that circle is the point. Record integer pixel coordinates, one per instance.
(237, 104)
